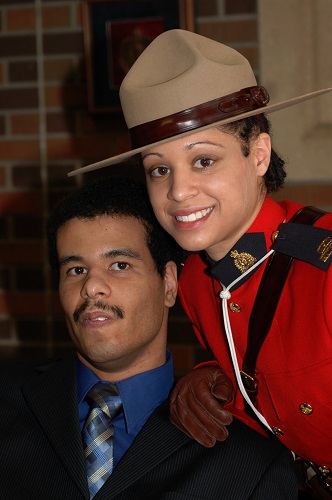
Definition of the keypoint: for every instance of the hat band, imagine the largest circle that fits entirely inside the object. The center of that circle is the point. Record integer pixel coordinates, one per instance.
(247, 99)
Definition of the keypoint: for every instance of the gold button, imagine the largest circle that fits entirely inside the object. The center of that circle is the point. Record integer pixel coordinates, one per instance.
(324, 470)
(277, 431)
(306, 408)
(235, 308)
(274, 236)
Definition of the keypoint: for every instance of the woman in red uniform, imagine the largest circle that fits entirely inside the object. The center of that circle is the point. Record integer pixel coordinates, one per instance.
(197, 116)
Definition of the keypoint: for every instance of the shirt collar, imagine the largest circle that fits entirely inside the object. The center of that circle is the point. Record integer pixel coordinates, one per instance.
(251, 247)
(140, 394)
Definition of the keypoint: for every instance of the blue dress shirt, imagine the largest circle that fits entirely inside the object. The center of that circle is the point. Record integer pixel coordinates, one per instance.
(140, 395)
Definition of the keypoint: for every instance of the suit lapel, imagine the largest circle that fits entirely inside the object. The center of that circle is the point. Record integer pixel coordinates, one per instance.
(52, 397)
(157, 440)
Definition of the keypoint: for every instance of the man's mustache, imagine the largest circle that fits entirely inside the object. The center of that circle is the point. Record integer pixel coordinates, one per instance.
(98, 305)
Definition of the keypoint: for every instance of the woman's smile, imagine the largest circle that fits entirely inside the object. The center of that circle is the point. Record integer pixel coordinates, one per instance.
(194, 216)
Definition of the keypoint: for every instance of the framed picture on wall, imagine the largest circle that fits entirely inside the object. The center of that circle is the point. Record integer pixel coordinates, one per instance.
(115, 34)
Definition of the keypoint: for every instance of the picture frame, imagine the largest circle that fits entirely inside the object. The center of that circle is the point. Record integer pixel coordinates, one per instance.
(115, 33)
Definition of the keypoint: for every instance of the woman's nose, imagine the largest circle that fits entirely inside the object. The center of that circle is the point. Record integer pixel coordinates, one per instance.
(182, 187)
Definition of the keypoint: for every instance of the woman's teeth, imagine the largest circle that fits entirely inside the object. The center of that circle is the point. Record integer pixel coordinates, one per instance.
(194, 216)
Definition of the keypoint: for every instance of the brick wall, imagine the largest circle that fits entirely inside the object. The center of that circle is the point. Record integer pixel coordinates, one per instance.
(46, 131)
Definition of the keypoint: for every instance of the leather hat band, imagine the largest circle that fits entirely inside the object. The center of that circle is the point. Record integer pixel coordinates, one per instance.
(209, 112)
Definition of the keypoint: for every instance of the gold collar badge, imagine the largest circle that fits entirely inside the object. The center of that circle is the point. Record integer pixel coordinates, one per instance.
(325, 249)
(243, 260)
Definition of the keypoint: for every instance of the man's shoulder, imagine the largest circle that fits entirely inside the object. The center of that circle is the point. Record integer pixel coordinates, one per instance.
(17, 371)
(241, 439)
(255, 451)
(172, 450)
(252, 442)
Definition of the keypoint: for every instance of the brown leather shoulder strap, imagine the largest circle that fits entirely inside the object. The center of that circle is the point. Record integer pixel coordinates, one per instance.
(266, 302)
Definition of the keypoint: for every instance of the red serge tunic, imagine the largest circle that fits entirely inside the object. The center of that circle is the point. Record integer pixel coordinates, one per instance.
(294, 367)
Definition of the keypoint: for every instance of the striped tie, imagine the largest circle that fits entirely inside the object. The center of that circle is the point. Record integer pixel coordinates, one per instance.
(98, 434)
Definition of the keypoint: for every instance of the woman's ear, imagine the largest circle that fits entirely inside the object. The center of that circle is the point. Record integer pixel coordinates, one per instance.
(171, 283)
(262, 151)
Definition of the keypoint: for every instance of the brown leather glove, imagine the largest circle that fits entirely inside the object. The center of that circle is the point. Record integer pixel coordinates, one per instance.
(196, 405)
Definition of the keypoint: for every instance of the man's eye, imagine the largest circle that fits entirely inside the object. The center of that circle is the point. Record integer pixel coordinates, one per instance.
(203, 162)
(119, 266)
(75, 271)
(159, 171)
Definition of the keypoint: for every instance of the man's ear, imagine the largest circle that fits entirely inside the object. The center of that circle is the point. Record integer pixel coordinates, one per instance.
(262, 151)
(171, 283)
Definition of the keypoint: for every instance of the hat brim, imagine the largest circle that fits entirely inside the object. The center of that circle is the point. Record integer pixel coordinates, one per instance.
(270, 108)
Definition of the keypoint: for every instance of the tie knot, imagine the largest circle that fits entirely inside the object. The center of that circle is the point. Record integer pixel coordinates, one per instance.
(106, 397)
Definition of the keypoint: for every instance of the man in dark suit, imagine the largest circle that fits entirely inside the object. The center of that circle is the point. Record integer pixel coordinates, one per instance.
(117, 280)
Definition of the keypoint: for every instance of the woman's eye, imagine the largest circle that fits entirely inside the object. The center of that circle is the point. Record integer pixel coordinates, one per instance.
(119, 266)
(159, 171)
(203, 162)
(76, 271)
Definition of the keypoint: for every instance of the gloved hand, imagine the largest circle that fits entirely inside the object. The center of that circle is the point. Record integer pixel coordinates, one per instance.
(196, 405)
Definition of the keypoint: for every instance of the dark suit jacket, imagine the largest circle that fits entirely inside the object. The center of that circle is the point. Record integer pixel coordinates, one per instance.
(41, 455)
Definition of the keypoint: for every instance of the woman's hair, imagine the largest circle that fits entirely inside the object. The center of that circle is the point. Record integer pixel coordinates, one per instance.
(245, 130)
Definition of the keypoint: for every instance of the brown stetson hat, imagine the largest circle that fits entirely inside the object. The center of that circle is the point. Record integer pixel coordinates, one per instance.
(182, 83)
